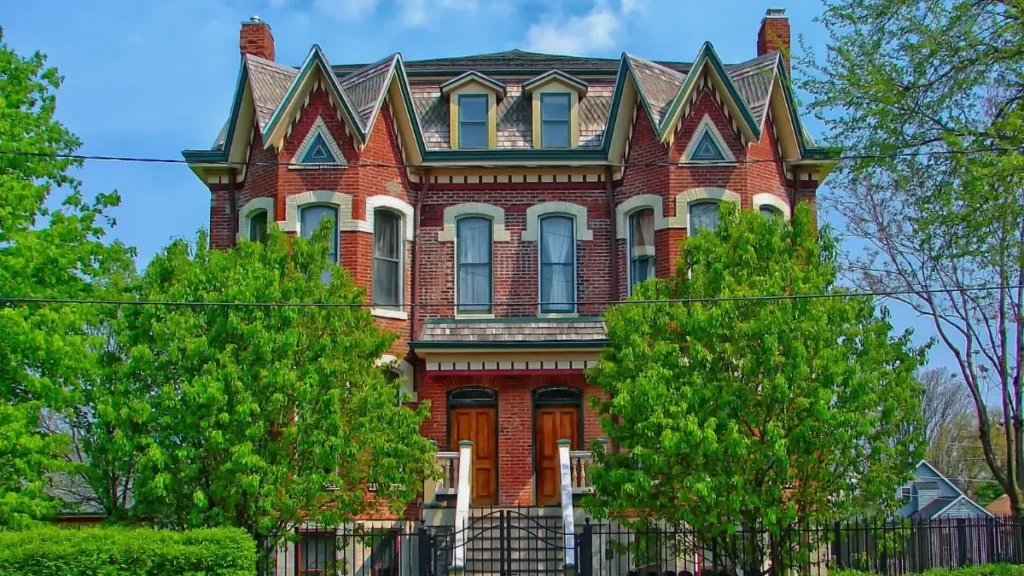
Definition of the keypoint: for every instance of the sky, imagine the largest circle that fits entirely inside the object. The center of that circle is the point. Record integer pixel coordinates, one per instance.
(148, 79)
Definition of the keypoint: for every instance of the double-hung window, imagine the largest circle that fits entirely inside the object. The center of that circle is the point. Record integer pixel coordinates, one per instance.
(388, 243)
(473, 121)
(473, 263)
(557, 264)
(703, 215)
(310, 218)
(258, 226)
(641, 246)
(554, 120)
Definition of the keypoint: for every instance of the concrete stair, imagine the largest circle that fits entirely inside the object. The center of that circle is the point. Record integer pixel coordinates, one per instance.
(533, 541)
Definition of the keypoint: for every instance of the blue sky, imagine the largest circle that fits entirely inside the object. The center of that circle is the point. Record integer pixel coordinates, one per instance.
(153, 78)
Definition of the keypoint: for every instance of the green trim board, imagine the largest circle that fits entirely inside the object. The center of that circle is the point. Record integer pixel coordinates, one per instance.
(514, 345)
(513, 320)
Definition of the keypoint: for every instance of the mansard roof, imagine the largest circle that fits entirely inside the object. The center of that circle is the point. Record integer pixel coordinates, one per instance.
(664, 89)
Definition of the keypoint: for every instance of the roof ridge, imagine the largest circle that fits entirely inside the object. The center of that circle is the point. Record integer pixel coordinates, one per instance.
(357, 75)
(272, 63)
(681, 76)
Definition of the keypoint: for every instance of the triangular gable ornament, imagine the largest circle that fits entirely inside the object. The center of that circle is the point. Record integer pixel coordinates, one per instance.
(318, 149)
(707, 145)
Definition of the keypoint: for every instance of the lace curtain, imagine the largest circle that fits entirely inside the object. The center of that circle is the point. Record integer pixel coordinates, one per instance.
(473, 245)
(387, 258)
(641, 245)
(703, 215)
(557, 274)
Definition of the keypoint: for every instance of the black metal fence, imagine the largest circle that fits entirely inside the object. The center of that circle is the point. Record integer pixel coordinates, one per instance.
(511, 542)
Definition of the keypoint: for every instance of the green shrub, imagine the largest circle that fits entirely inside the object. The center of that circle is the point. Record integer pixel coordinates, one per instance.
(983, 570)
(54, 551)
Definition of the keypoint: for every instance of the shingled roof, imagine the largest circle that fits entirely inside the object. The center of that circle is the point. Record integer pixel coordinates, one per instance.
(517, 332)
(659, 84)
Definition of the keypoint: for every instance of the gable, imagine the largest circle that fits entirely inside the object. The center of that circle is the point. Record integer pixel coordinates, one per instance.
(318, 148)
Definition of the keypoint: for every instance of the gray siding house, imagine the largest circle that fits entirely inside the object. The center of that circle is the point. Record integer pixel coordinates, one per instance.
(932, 496)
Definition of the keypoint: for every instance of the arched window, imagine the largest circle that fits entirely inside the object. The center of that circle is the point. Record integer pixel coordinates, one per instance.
(769, 211)
(703, 215)
(473, 264)
(472, 396)
(388, 244)
(310, 218)
(557, 395)
(557, 264)
(258, 226)
(641, 246)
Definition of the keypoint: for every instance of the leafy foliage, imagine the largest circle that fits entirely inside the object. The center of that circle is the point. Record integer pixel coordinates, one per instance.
(754, 414)
(54, 551)
(45, 351)
(928, 95)
(261, 416)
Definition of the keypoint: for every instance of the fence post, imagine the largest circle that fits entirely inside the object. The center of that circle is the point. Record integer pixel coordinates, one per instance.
(838, 546)
(423, 541)
(585, 550)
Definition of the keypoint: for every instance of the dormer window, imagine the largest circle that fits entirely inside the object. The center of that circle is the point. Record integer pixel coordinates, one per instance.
(473, 121)
(554, 120)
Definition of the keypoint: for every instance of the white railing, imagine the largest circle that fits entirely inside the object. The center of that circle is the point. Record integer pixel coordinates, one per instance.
(579, 462)
(463, 495)
(448, 484)
(568, 514)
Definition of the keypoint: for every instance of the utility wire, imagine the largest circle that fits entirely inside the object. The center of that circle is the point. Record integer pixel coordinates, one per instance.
(272, 163)
(708, 300)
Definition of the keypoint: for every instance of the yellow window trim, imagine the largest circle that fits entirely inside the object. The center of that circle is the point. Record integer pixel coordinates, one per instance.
(556, 86)
(473, 88)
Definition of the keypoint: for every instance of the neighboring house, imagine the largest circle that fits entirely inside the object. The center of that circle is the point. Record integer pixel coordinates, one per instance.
(932, 496)
(517, 194)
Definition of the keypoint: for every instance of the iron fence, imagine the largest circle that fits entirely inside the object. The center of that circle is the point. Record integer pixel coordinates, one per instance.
(522, 541)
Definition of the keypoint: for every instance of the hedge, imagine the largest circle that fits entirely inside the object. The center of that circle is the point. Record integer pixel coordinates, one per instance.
(101, 551)
(981, 570)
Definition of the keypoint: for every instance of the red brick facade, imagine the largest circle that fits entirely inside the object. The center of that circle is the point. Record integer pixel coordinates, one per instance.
(653, 167)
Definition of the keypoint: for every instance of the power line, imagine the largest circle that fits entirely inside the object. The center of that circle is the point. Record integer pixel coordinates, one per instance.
(271, 163)
(708, 300)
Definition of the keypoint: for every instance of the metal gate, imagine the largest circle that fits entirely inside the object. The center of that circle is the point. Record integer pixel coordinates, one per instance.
(502, 542)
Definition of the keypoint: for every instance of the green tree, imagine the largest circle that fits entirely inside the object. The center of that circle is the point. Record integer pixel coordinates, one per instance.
(755, 414)
(262, 416)
(46, 352)
(928, 98)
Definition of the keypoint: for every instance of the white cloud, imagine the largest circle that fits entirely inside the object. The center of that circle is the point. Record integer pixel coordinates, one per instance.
(630, 6)
(595, 30)
(413, 13)
(346, 9)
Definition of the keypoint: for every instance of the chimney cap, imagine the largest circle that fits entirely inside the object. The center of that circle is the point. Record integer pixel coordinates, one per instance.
(775, 13)
(255, 19)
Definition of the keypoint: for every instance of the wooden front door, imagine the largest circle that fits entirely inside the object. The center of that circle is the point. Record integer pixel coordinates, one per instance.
(479, 425)
(553, 424)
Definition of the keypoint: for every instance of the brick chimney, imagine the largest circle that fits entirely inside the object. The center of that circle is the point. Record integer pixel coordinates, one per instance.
(256, 39)
(774, 34)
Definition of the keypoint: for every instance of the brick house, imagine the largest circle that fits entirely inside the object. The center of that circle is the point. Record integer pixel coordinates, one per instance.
(516, 193)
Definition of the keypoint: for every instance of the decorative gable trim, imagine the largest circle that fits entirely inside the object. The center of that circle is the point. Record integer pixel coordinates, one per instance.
(535, 212)
(319, 128)
(453, 213)
(652, 201)
(250, 208)
(473, 76)
(684, 199)
(575, 83)
(706, 133)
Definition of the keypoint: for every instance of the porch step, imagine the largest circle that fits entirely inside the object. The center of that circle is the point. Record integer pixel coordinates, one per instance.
(531, 536)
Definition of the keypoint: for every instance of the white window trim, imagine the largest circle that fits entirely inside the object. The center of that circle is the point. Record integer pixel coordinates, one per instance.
(455, 289)
(318, 128)
(643, 251)
(342, 201)
(453, 213)
(537, 211)
(684, 199)
(707, 126)
(627, 207)
(250, 208)
(403, 368)
(395, 204)
(391, 204)
(575, 275)
(768, 199)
